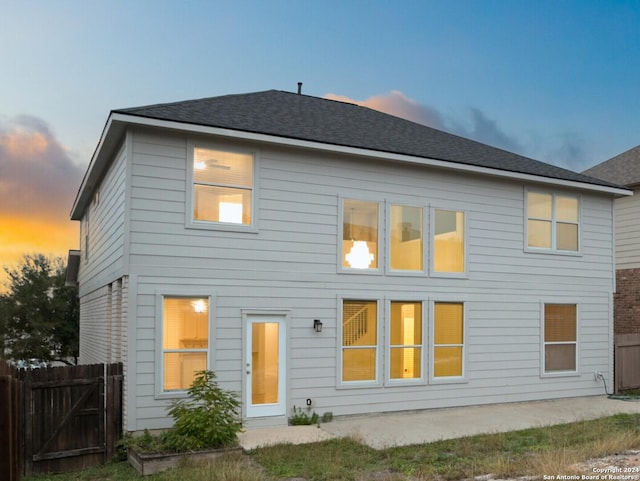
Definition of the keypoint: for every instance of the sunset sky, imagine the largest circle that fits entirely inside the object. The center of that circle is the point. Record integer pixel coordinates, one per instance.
(553, 80)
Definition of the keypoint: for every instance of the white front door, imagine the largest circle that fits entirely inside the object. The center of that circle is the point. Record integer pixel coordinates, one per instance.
(265, 366)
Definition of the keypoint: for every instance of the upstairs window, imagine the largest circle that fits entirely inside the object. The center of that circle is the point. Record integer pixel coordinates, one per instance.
(448, 241)
(222, 186)
(84, 226)
(553, 222)
(360, 235)
(406, 238)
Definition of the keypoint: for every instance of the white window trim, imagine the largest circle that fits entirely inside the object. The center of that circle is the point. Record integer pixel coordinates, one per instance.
(160, 393)
(379, 338)
(432, 229)
(381, 238)
(552, 249)
(424, 358)
(190, 222)
(424, 271)
(551, 374)
(465, 341)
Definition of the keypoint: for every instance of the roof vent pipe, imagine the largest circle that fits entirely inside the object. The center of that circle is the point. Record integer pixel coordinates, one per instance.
(299, 88)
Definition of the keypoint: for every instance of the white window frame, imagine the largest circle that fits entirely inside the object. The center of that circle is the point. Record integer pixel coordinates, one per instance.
(425, 241)
(425, 351)
(432, 326)
(381, 238)
(160, 393)
(379, 337)
(192, 223)
(543, 372)
(432, 230)
(553, 249)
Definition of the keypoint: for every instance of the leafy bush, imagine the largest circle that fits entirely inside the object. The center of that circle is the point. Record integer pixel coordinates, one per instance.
(208, 418)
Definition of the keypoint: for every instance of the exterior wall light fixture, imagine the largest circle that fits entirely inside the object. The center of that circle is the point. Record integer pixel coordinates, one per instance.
(317, 325)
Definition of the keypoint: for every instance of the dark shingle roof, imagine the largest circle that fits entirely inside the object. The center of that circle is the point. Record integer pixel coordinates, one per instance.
(623, 169)
(303, 117)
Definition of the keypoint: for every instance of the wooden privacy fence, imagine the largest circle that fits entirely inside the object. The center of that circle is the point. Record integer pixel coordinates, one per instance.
(64, 418)
(627, 361)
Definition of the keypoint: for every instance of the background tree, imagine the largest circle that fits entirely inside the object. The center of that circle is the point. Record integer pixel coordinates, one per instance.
(3, 317)
(39, 313)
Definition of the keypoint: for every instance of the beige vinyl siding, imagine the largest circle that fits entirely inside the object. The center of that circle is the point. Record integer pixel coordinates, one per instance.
(627, 212)
(292, 263)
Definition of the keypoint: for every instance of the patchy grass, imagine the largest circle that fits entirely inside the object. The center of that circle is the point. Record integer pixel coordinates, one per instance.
(537, 451)
(335, 459)
(234, 467)
(533, 452)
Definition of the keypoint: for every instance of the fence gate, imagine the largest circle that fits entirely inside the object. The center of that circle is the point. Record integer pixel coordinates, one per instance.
(627, 361)
(72, 416)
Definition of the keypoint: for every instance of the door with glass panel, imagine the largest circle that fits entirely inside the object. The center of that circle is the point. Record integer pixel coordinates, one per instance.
(265, 366)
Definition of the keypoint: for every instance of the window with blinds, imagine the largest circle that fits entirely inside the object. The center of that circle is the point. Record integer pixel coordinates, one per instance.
(560, 338)
(553, 221)
(448, 339)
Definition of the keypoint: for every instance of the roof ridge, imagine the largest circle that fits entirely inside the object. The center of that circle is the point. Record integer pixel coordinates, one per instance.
(190, 101)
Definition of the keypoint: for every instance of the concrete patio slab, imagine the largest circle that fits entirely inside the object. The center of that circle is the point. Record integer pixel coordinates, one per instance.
(260, 437)
(400, 429)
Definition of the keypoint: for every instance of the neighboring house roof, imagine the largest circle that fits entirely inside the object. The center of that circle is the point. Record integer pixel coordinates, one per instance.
(283, 115)
(623, 169)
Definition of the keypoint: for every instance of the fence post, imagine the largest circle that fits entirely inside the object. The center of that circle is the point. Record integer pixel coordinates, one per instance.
(28, 422)
(18, 402)
(113, 408)
(7, 432)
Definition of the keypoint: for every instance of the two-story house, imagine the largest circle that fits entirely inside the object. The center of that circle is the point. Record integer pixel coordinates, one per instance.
(309, 250)
(624, 169)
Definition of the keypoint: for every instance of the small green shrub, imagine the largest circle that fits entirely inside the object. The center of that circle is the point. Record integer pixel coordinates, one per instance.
(147, 442)
(301, 418)
(208, 418)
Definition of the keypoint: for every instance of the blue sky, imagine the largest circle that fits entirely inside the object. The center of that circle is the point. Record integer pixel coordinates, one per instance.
(557, 80)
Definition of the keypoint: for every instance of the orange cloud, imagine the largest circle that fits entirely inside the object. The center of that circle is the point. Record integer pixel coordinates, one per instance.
(38, 182)
(23, 144)
(20, 236)
(476, 125)
(398, 104)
